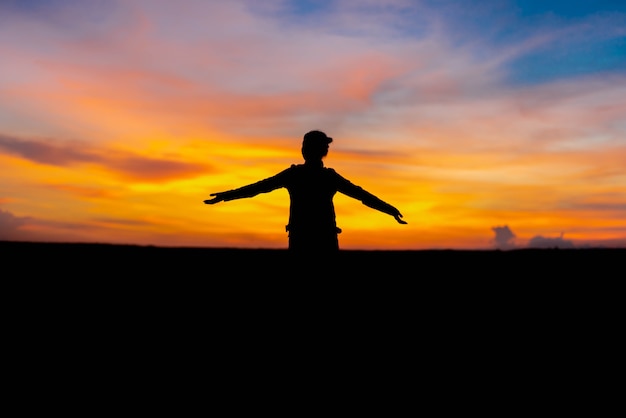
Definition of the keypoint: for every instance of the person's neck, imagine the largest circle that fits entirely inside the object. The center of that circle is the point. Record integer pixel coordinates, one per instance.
(314, 163)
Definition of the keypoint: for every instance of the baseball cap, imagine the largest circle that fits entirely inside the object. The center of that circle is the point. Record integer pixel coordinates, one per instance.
(316, 138)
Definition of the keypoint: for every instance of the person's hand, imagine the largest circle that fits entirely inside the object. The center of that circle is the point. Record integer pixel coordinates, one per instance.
(216, 199)
(398, 217)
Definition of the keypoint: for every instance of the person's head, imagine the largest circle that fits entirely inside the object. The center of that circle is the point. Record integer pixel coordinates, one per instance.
(315, 145)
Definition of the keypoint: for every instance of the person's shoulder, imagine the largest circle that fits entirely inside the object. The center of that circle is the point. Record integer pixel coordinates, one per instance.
(331, 173)
(293, 168)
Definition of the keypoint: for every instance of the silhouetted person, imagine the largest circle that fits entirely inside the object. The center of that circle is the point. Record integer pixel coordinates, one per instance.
(311, 186)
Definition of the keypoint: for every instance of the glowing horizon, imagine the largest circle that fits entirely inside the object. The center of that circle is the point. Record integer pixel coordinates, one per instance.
(117, 119)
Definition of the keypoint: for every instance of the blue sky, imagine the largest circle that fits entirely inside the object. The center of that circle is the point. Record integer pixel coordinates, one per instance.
(570, 38)
(573, 38)
(582, 36)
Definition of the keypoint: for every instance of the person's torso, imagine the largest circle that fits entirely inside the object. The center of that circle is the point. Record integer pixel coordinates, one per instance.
(311, 191)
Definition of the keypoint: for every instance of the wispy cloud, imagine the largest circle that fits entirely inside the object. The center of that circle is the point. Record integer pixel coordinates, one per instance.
(124, 164)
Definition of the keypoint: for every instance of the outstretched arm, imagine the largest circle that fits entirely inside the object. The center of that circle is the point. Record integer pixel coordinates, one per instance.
(263, 186)
(375, 203)
(240, 193)
(368, 199)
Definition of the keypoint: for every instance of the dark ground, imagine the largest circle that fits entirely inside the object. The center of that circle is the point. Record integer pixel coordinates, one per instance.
(552, 289)
(448, 282)
(185, 263)
(514, 325)
(399, 273)
(438, 282)
(384, 278)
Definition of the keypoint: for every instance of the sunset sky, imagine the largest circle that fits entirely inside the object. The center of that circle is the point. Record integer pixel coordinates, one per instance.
(494, 123)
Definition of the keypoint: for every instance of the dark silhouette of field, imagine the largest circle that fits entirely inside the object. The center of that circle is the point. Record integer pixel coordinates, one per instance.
(500, 313)
(134, 262)
(192, 284)
(517, 325)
